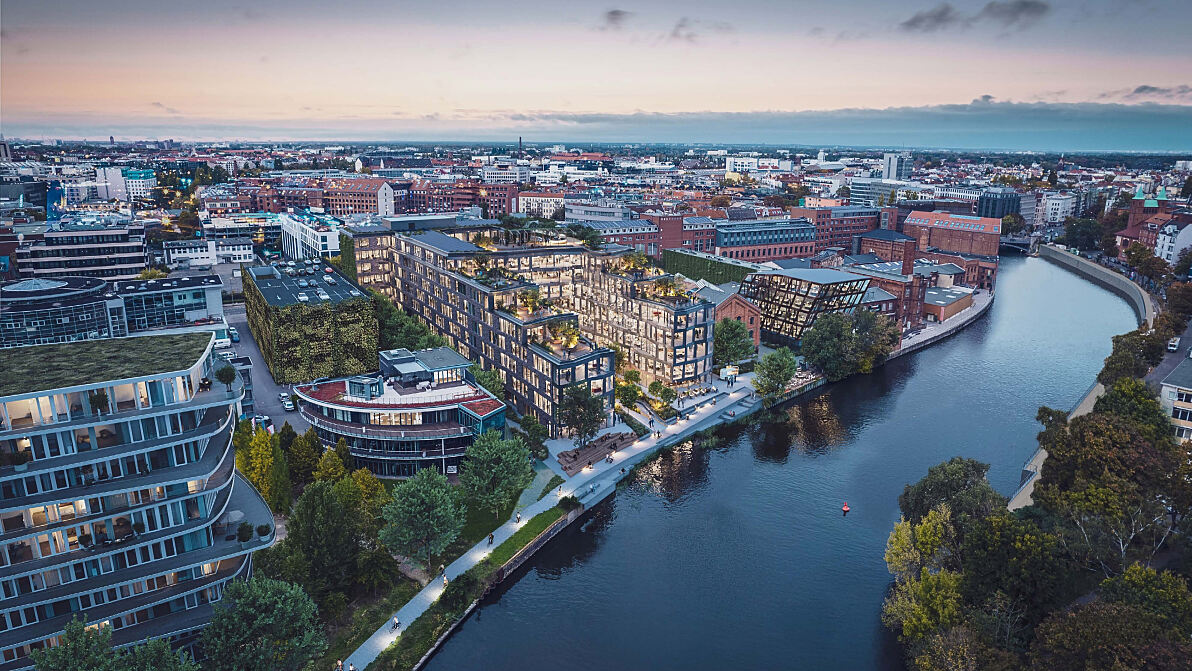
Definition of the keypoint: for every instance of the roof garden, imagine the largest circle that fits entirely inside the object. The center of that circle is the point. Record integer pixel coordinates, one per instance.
(43, 367)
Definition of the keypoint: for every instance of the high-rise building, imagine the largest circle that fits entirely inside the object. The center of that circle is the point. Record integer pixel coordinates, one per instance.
(112, 250)
(998, 202)
(897, 166)
(123, 505)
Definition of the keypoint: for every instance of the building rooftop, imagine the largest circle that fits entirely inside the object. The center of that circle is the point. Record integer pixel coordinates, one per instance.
(41, 367)
(945, 296)
(280, 289)
(168, 284)
(876, 294)
(885, 234)
(445, 243)
(1182, 375)
(815, 275)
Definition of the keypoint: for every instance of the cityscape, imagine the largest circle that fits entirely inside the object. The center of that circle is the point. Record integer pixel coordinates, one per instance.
(372, 337)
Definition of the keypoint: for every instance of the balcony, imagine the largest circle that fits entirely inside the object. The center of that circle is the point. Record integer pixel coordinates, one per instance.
(414, 432)
(217, 449)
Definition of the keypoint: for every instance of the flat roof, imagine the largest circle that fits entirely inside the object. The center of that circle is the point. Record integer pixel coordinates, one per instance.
(816, 275)
(279, 289)
(444, 243)
(168, 284)
(945, 296)
(42, 367)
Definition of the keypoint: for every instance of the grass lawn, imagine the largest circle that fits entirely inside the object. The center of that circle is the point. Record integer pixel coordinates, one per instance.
(479, 523)
(365, 618)
(555, 481)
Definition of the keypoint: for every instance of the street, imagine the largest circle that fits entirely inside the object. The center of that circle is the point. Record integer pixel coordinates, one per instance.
(1172, 359)
(264, 389)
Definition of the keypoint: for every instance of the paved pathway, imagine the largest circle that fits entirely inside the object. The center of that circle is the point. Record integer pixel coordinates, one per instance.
(587, 485)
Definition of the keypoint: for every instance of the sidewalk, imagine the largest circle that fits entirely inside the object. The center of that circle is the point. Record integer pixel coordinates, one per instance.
(588, 486)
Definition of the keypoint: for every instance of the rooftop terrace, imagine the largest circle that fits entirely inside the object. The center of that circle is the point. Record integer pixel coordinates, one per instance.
(42, 367)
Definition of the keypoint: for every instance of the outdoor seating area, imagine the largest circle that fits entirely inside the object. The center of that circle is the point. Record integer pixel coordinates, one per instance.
(575, 460)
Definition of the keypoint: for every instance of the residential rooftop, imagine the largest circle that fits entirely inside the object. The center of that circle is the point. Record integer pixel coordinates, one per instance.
(1181, 376)
(56, 366)
(280, 290)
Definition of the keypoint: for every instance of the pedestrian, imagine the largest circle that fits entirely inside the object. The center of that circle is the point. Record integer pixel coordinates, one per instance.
(396, 624)
(518, 519)
(490, 539)
(351, 666)
(442, 569)
(339, 665)
(444, 582)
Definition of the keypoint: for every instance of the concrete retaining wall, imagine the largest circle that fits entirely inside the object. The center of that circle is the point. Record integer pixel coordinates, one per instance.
(1119, 284)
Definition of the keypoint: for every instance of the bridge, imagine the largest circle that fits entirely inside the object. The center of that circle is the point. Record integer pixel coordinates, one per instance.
(1026, 244)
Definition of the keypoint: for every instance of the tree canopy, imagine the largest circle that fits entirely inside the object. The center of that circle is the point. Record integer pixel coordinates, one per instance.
(773, 372)
(423, 518)
(495, 470)
(265, 625)
(731, 342)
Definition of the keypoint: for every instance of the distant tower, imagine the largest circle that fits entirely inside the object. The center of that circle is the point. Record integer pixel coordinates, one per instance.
(519, 147)
(112, 140)
(821, 156)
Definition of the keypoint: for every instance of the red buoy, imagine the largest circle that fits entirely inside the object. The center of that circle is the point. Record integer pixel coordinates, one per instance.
(845, 508)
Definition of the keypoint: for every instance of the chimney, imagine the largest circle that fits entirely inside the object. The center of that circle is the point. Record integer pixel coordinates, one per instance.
(908, 257)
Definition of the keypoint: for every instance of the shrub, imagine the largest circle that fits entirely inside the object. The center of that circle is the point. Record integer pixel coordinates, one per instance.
(634, 425)
(138, 528)
(244, 532)
(569, 503)
(263, 530)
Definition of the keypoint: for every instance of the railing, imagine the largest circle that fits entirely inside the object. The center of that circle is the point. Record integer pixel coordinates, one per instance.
(446, 430)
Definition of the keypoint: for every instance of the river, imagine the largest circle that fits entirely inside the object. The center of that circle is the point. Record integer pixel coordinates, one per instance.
(737, 556)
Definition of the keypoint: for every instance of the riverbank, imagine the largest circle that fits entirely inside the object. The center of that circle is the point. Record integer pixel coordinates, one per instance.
(1145, 310)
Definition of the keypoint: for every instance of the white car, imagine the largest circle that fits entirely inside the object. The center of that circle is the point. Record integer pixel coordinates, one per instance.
(283, 396)
(287, 405)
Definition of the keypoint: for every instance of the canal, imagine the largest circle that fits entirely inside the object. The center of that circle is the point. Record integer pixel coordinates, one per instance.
(737, 556)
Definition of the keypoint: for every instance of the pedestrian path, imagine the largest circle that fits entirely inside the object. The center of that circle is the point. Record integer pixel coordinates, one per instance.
(588, 485)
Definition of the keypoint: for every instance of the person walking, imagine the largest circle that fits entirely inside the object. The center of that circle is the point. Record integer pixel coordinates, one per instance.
(444, 581)
(490, 539)
(339, 665)
(396, 624)
(517, 520)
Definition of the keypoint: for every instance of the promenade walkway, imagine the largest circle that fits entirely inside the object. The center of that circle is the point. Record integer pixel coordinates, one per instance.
(588, 486)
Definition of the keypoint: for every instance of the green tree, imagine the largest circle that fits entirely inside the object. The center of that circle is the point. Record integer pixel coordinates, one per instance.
(1012, 224)
(1162, 594)
(1137, 253)
(1130, 399)
(1121, 364)
(1183, 263)
(1082, 233)
(152, 274)
(326, 535)
(260, 462)
(1096, 637)
(242, 443)
(495, 471)
(344, 454)
(490, 379)
(1155, 269)
(1108, 245)
(330, 468)
(155, 655)
(536, 435)
(918, 607)
(731, 342)
(423, 518)
(1014, 557)
(929, 544)
(277, 492)
(958, 482)
(830, 346)
(226, 375)
(773, 372)
(629, 394)
(876, 335)
(633, 376)
(1179, 298)
(285, 437)
(80, 649)
(581, 413)
(264, 625)
(304, 457)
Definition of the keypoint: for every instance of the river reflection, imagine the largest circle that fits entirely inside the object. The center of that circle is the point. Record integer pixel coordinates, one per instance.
(734, 554)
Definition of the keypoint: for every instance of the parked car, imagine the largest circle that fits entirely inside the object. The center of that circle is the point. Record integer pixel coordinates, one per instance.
(287, 405)
(1173, 344)
(233, 334)
(330, 279)
(283, 396)
(303, 283)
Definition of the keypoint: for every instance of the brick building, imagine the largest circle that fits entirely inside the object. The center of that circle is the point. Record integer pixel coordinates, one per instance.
(732, 305)
(836, 226)
(957, 233)
(344, 197)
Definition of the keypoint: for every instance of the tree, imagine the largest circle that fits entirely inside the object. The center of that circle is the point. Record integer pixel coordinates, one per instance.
(285, 437)
(242, 443)
(330, 468)
(1052, 178)
(155, 655)
(959, 648)
(260, 459)
(876, 335)
(1082, 233)
(731, 342)
(929, 544)
(304, 457)
(264, 625)
(921, 606)
(344, 454)
(633, 376)
(844, 192)
(1136, 253)
(226, 375)
(830, 345)
(1121, 364)
(1183, 263)
(326, 534)
(1007, 555)
(80, 649)
(495, 471)
(581, 413)
(423, 518)
(1186, 191)
(720, 201)
(958, 482)
(1179, 298)
(1012, 224)
(373, 495)
(1130, 399)
(1154, 269)
(628, 394)
(490, 379)
(667, 395)
(1108, 245)
(1162, 594)
(1095, 637)
(152, 274)
(536, 435)
(773, 372)
(277, 491)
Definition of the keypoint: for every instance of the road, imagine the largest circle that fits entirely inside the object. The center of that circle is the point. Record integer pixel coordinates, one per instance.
(1172, 359)
(264, 389)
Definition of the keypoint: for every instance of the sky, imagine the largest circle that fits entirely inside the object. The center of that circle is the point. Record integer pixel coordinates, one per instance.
(1008, 74)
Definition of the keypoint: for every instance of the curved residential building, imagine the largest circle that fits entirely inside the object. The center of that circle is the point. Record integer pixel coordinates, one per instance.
(119, 499)
(422, 410)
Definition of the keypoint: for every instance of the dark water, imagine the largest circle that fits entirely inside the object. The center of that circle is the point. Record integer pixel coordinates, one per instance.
(738, 556)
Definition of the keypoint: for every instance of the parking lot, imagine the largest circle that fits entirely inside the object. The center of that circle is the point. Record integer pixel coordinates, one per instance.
(264, 389)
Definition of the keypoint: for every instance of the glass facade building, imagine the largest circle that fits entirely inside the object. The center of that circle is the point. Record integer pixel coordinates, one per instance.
(791, 300)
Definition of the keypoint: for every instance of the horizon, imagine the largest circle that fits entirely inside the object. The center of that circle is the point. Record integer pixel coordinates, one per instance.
(965, 75)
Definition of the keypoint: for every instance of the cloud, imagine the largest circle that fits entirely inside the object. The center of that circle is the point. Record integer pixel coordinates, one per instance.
(983, 100)
(614, 19)
(1146, 91)
(689, 30)
(1009, 15)
(816, 31)
(167, 110)
(940, 17)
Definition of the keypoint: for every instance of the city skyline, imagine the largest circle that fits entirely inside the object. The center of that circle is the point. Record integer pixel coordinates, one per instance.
(1018, 74)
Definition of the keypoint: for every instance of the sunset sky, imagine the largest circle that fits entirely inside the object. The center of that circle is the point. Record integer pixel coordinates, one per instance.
(1043, 74)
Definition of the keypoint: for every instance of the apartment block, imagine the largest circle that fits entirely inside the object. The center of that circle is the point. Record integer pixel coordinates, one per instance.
(836, 226)
(112, 251)
(121, 498)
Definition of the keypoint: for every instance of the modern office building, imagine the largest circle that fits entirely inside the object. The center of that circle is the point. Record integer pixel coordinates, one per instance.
(108, 250)
(371, 248)
(998, 202)
(420, 410)
(897, 166)
(122, 505)
(207, 253)
(69, 309)
(263, 228)
(309, 236)
(764, 240)
(310, 327)
(790, 300)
